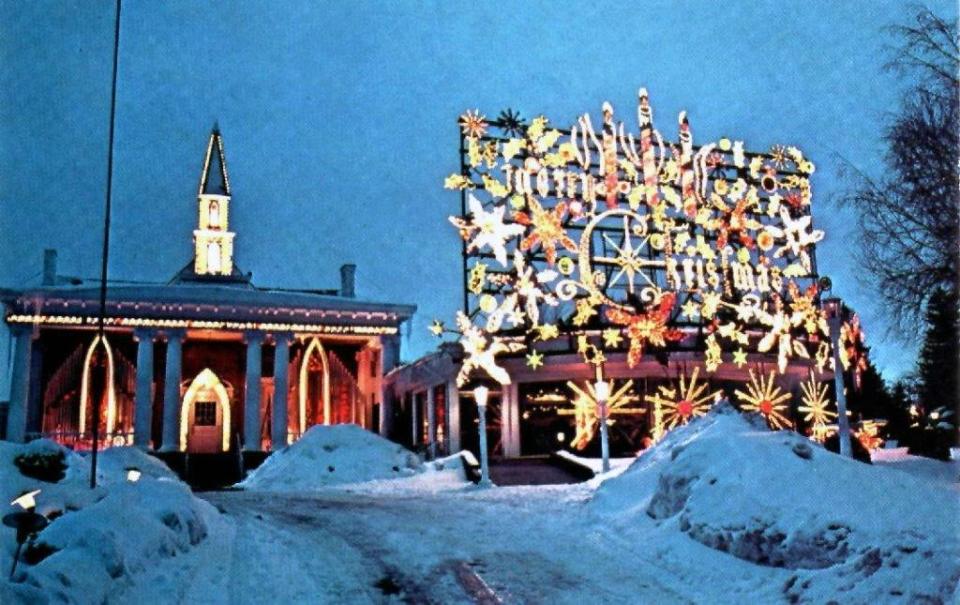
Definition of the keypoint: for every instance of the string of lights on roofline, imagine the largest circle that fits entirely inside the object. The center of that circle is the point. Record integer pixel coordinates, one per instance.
(585, 231)
(140, 322)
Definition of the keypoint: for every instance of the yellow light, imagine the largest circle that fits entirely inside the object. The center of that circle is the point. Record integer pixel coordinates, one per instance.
(205, 380)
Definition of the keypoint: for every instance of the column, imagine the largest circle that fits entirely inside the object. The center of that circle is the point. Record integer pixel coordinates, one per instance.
(251, 393)
(172, 374)
(511, 420)
(143, 401)
(453, 416)
(281, 363)
(19, 382)
(431, 423)
(415, 420)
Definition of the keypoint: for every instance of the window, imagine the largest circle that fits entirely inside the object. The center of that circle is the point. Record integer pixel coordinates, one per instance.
(205, 413)
(213, 257)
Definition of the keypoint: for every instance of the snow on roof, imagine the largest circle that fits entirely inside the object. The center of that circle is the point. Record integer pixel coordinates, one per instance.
(778, 500)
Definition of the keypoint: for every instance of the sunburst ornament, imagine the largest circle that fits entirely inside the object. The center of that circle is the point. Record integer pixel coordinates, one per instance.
(586, 410)
(815, 406)
(473, 124)
(765, 398)
(677, 406)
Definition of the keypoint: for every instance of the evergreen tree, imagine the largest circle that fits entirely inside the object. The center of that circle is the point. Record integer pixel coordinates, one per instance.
(938, 364)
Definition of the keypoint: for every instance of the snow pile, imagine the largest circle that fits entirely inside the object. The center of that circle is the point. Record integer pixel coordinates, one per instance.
(850, 532)
(332, 455)
(99, 539)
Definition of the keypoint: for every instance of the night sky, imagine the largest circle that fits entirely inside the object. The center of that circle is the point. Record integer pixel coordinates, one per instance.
(340, 123)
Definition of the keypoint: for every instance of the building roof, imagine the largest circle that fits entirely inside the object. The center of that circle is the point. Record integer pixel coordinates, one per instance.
(222, 303)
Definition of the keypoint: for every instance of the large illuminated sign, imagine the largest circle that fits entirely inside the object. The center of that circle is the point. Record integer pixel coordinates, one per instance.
(627, 242)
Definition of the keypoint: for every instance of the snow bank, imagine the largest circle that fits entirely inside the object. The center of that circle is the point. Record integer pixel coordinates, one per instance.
(850, 531)
(99, 539)
(332, 455)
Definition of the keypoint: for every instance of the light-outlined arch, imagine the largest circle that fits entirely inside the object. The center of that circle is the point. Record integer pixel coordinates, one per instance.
(206, 381)
(314, 347)
(85, 386)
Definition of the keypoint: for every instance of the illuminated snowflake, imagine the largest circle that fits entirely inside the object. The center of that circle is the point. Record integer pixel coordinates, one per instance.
(764, 397)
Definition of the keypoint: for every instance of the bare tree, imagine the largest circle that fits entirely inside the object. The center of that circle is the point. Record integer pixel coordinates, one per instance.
(910, 216)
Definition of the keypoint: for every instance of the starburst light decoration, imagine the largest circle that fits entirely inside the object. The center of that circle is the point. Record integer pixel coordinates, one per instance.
(765, 398)
(586, 410)
(677, 405)
(816, 408)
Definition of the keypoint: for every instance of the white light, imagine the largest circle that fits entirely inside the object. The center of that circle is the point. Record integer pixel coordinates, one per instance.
(602, 389)
(133, 474)
(561, 437)
(480, 396)
(27, 500)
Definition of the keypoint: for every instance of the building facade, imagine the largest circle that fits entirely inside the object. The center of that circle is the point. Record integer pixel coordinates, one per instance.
(208, 362)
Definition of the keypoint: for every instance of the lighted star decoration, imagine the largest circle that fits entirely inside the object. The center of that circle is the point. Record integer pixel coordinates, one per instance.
(676, 406)
(480, 351)
(646, 328)
(612, 338)
(740, 358)
(586, 411)
(489, 227)
(765, 398)
(534, 360)
(815, 407)
(547, 229)
(437, 328)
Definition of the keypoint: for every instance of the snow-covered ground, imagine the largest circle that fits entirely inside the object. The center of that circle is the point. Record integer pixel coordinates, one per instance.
(98, 541)
(721, 511)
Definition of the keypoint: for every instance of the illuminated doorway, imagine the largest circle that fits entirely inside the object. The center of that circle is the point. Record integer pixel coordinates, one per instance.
(205, 415)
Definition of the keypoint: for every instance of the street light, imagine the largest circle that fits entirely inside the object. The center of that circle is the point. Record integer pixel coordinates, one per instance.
(602, 390)
(480, 395)
(834, 310)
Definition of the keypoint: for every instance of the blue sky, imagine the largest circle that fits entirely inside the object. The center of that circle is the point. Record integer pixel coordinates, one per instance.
(339, 123)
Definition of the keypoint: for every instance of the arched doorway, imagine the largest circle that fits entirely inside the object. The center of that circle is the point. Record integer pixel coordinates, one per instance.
(111, 393)
(205, 415)
(314, 386)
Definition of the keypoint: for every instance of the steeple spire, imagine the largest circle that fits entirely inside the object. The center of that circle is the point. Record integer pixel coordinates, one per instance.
(213, 240)
(220, 186)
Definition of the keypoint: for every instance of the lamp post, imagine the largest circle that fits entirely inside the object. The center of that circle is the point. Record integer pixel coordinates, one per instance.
(834, 309)
(480, 395)
(602, 390)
